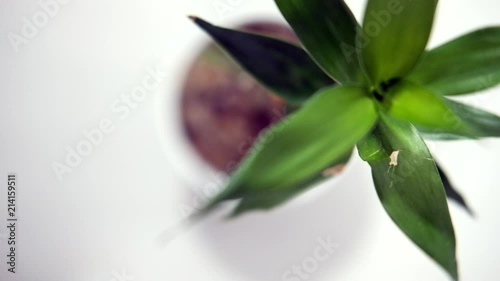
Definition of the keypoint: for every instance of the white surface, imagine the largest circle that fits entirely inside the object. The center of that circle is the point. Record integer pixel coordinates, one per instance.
(104, 216)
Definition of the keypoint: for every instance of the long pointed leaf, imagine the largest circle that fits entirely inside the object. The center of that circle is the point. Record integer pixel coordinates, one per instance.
(284, 68)
(298, 148)
(467, 64)
(481, 124)
(451, 192)
(272, 198)
(410, 188)
(395, 34)
(328, 31)
(412, 102)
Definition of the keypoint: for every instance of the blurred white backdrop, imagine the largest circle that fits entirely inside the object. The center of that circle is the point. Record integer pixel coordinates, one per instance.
(100, 222)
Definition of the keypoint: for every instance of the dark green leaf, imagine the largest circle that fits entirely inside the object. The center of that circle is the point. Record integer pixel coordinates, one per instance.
(409, 101)
(467, 64)
(395, 33)
(451, 192)
(297, 149)
(284, 68)
(480, 123)
(328, 31)
(410, 188)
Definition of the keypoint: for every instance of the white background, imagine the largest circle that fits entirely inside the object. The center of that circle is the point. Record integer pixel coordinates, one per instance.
(104, 217)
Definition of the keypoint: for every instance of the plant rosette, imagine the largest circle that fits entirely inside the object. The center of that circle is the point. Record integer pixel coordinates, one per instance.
(371, 86)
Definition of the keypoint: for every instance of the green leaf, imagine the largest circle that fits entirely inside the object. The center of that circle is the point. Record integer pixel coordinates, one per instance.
(395, 33)
(328, 31)
(409, 101)
(480, 124)
(301, 146)
(285, 69)
(467, 64)
(451, 192)
(410, 188)
(273, 198)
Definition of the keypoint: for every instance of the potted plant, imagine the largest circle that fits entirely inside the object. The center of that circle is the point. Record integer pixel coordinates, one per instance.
(371, 86)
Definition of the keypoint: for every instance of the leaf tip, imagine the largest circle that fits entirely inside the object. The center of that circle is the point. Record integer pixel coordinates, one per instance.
(200, 22)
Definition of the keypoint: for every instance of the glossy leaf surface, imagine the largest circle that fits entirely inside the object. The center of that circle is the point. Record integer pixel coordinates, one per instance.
(301, 146)
(414, 103)
(328, 31)
(480, 123)
(410, 188)
(395, 33)
(283, 68)
(467, 64)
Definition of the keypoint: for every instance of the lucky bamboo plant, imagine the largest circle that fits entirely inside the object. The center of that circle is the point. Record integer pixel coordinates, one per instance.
(371, 86)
